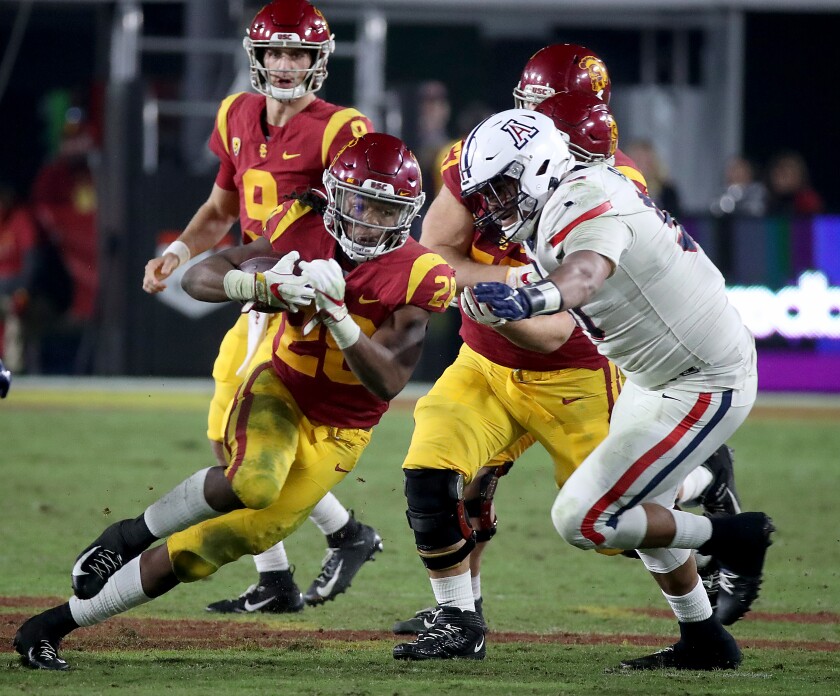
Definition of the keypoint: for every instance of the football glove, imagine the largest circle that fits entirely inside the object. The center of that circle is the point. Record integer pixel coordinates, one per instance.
(5, 380)
(543, 297)
(327, 279)
(479, 311)
(276, 288)
(518, 276)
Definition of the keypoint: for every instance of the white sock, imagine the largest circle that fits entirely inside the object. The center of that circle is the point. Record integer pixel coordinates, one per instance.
(692, 530)
(182, 507)
(694, 485)
(273, 559)
(122, 592)
(329, 515)
(454, 591)
(630, 529)
(476, 586)
(693, 606)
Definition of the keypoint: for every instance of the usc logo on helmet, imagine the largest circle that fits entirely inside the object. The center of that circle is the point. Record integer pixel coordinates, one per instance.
(597, 72)
(613, 126)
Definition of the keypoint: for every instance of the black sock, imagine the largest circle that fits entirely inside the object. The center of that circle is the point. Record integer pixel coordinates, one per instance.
(348, 530)
(283, 578)
(136, 533)
(702, 632)
(60, 620)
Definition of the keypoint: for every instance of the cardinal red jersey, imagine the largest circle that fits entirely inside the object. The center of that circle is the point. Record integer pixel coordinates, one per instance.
(578, 351)
(312, 367)
(266, 163)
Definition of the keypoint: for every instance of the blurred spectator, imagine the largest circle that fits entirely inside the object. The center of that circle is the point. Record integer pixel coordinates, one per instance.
(744, 195)
(790, 191)
(64, 201)
(433, 115)
(660, 188)
(18, 239)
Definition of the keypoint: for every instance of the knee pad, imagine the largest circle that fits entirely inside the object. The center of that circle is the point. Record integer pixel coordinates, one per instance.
(189, 566)
(482, 506)
(437, 516)
(663, 560)
(567, 521)
(257, 491)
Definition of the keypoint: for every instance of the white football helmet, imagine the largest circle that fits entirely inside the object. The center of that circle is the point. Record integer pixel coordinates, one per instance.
(514, 160)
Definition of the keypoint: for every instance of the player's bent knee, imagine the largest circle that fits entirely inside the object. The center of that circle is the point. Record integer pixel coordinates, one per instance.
(567, 521)
(257, 491)
(189, 566)
(437, 516)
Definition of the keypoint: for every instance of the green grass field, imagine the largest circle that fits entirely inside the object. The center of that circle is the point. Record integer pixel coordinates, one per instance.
(74, 461)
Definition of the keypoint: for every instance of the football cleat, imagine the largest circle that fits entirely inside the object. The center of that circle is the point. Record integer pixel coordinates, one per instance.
(341, 563)
(720, 496)
(275, 593)
(38, 645)
(737, 593)
(99, 561)
(724, 655)
(455, 633)
(424, 619)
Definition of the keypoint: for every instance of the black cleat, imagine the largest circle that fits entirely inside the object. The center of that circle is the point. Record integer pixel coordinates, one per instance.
(739, 543)
(720, 497)
(455, 633)
(38, 645)
(424, 619)
(341, 564)
(710, 577)
(724, 655)
(275, 593)
(737, 593)
(99, 561)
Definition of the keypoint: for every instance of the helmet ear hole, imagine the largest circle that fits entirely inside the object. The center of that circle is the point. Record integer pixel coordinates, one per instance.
(543, 168)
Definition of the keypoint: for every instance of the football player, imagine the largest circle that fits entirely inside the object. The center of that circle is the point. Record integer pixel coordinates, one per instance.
(270, 145)
(513, 377)
(287, 444)
(657, 307)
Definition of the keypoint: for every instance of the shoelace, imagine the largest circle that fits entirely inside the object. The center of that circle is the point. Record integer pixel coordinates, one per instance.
(105, 563)
(448, 631)
(46, 650)
(727, 581)
(251, 589)
(328, 566)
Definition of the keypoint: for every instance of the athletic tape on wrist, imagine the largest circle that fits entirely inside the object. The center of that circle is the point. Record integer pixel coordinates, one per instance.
(345, 332)
(543, 297)
(179, 249)
(239, 285)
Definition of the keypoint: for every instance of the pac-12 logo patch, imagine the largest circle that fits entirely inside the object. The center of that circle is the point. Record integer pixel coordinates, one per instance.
(237, 144)
(522, 133)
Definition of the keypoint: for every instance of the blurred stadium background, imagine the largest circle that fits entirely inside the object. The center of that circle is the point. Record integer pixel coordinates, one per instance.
(702, 80)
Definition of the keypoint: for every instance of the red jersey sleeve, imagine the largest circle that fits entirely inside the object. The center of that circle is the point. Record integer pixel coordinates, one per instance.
(431, 283)
(344, 125)
(221, 146)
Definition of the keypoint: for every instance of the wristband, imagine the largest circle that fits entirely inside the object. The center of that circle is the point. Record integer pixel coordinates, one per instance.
(179, 249)
(543, 297)
(345, 332)
(239, 285)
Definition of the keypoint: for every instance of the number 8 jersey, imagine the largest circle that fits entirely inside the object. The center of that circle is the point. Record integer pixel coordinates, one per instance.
(663, 316)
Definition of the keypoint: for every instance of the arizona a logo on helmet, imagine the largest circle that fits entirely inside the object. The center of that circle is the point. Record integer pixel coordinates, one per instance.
(522, 133)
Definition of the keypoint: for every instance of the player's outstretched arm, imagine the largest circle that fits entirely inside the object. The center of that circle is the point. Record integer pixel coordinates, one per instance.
(207, 228)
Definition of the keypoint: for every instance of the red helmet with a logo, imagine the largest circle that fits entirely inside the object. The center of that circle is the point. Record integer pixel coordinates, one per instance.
(561, 68)
(374, 192)
(587, 121)
(289, 24)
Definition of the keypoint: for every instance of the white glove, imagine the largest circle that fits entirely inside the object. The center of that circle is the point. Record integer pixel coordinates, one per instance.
(327, 279)
(479, 311)
(518, 276)
(281, 284)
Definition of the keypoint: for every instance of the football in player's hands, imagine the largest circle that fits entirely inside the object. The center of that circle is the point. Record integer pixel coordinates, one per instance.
(261, 264)
(280, 285)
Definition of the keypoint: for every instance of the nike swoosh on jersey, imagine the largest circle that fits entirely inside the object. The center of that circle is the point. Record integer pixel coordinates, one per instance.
(287, 156)
(343, 471)
(365, 300)
(480, 645)
(566, 401)
(327, 589)
(77, 569)
(257, 605)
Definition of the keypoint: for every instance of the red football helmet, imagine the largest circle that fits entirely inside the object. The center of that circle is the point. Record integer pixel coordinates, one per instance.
(289, 24)
(561, 68)
(374, 192)
(587, 121)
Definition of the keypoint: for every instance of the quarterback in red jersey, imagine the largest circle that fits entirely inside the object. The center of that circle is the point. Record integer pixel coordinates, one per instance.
(356, 295)
(270, 146)
(503, 389)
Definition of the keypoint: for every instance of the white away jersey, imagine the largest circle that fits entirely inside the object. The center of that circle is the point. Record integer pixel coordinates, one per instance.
(663, 316)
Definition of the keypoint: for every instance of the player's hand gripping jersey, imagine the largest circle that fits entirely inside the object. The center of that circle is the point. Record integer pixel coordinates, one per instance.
(267, 163)
(641, 319)
(311, 366)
